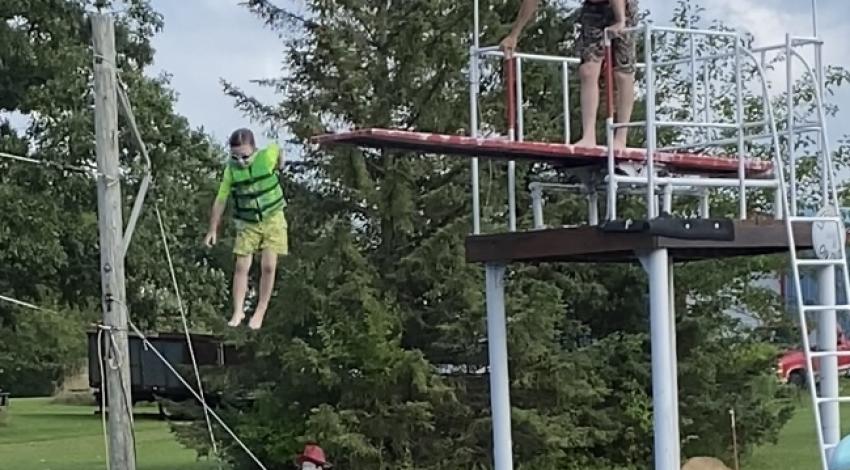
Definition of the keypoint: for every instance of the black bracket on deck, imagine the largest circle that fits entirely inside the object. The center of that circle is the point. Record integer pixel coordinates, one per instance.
(675, 227)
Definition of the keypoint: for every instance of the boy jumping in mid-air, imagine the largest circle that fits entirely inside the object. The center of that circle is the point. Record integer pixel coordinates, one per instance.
(251, 179)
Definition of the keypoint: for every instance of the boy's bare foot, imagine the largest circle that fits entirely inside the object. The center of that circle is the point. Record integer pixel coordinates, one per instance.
(256, 322)
(236, 320)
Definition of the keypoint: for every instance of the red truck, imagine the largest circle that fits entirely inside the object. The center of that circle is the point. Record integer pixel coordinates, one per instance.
(791, 366)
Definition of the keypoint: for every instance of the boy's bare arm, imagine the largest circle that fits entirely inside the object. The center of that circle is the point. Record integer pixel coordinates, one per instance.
(215, 219)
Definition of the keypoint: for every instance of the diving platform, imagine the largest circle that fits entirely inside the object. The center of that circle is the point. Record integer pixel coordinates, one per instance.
(559, 154)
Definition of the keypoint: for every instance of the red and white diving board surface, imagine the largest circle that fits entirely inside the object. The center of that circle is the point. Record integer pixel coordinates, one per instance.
(563, 155)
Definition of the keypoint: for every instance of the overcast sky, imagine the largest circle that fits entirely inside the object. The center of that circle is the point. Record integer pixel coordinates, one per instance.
(205, 40)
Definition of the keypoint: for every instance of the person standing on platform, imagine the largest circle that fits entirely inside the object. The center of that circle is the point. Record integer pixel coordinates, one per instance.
(595, 17)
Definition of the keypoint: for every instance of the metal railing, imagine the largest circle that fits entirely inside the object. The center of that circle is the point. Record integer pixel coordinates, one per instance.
(591, 193)
(703, 121)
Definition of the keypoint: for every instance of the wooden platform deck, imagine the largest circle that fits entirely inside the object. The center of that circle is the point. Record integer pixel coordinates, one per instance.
(562, 155)
(591, 244)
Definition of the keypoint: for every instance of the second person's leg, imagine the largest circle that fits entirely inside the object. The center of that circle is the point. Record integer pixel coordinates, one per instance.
(590, 48)
(625, 58)
(240, 287)
(589, 75)
(275, 243)
(248, 237)
(267, 278)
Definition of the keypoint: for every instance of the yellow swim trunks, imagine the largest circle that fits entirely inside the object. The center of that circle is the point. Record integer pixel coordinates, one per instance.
(270, 234)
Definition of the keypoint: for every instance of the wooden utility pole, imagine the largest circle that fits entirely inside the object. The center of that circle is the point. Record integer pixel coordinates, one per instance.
(110, 225)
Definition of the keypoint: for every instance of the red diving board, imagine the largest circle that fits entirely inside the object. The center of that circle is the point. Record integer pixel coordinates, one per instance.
(561, 154)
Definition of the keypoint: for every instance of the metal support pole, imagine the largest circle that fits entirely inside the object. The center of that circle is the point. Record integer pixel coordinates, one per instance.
(667, 205)
(666, 438)
(476, 24)
(520, 119)
(815, 18)
(473, 128)
(512, 196)
(519, 135)
(511, 66)
(612, 173)
(110, 225)
(609, 127)
(693, 47)
(650, 126)
(674, 360)
(778, 202)
(740, 118)
(473, 117)
(707, 110)
(537, 206)
(792, 157)
(565, 89)
(497, 341)
(705, 204)
(658, 203)
(827, 339)
(593, 207)
(476, 204)
(823, 145)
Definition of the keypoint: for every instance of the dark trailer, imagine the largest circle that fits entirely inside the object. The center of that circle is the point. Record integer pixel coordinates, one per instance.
(150, 378)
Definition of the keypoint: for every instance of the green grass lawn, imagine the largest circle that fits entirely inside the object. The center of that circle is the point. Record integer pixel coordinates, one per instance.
(797, 447)
(40, 435)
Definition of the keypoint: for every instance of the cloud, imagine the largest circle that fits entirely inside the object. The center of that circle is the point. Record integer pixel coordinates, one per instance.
(205, 41)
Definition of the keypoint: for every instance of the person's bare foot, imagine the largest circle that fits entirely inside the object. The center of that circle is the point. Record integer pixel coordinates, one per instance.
(236, 319)
(619, 144)
(256, 321)
(585, 142)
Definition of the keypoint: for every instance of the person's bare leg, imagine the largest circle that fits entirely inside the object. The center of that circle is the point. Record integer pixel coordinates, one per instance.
(269, 267)
(240, 288)
(589, 75)
(625, 102)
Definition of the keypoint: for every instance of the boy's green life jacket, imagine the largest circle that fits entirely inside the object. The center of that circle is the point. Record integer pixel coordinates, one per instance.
(256, 189)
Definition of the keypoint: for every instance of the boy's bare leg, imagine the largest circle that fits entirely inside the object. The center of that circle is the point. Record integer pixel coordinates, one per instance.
(269, 268)
(240, 288)
(625, 102)
(589, 75)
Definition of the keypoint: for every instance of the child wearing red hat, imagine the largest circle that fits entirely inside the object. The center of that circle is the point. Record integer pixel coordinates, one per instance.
(313, 458)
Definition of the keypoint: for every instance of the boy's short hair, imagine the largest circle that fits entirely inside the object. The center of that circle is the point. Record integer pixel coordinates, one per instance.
(242, 137)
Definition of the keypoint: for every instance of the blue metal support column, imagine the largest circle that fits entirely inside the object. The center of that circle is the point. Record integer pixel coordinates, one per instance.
(664, 393)
(497, 341)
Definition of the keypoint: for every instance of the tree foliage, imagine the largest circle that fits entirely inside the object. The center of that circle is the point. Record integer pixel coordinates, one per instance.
(48, 225)
(578, 335)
